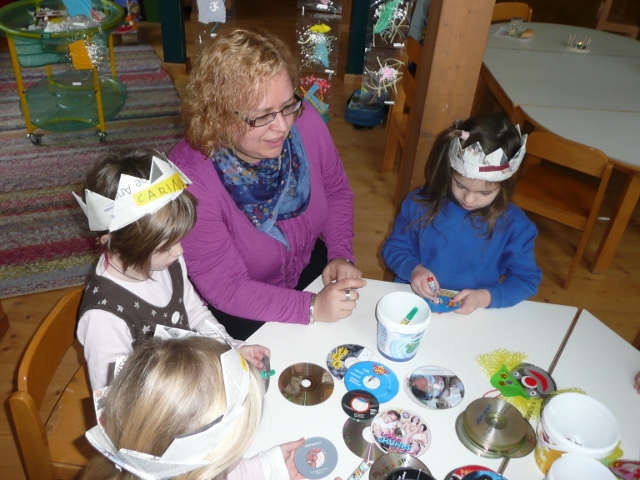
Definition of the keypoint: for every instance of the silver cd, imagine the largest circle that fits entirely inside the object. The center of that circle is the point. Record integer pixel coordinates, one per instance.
(357, 436)
(397, 466)
(305, 384)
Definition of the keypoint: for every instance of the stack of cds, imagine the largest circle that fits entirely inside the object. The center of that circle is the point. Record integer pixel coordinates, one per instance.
(492, 428)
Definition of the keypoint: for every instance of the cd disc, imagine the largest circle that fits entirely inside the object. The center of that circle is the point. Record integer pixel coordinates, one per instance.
(357, 437)
(434, 387)
(492, 428)
(375, 378)
(342, 357)
(397, 466)
(360, 404)
(401, 431)
(317, 458)
(462, 472)
(305, 384)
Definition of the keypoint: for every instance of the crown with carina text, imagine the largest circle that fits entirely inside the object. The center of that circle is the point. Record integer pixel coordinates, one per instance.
(136, 197)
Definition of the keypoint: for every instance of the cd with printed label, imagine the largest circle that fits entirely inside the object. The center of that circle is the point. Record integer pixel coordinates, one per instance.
(317, 458)
(401, 431)
(374, 377)
(492, 428)
(434, 387)
(483, 475)
(344, 356)
(360, 404)
(357, 436)
(305, 384)
(462, 472)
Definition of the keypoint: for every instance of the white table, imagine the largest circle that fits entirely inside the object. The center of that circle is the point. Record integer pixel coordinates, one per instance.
(453, 342)
(591, 98)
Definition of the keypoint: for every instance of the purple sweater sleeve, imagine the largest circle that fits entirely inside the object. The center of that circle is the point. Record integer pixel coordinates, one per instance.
(245, 272)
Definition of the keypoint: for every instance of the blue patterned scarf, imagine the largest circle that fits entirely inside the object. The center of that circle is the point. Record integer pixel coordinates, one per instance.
(271, 190)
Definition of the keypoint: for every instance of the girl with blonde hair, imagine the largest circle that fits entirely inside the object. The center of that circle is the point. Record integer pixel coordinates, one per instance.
(170, 389)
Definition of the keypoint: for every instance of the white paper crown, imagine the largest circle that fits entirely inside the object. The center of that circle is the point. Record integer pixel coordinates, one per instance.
(136, 197)
(471, 162)
(189, 451)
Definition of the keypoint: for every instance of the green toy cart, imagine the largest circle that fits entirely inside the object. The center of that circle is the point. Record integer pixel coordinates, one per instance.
(75, 98)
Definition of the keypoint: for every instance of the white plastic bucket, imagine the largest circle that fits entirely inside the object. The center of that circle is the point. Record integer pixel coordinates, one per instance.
(572, 467)
(398, 342)
(575, 423)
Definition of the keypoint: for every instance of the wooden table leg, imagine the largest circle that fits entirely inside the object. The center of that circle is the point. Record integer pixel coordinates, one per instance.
(618, 223)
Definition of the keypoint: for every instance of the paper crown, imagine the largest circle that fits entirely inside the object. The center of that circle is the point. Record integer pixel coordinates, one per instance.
(471, 162)
(189, 451)
(136, 197)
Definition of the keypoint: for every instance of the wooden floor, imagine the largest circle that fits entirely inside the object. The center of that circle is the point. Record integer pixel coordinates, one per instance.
(612, 296)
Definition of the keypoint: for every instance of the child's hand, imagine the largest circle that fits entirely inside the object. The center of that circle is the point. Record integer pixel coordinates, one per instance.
(288, 453)
(420, 283)
(254, 353)
(637, 382)
(472, 300)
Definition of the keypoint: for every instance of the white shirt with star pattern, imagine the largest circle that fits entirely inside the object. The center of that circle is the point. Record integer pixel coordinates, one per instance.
(106, 336)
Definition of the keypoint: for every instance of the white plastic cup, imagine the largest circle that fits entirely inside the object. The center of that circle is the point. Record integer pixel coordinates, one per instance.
(398, 342)
(575, 423)
(571, 467)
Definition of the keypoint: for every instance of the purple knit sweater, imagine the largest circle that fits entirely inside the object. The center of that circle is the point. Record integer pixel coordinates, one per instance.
(245, 272)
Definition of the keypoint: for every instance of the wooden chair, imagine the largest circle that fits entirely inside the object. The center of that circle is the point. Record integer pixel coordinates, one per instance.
(610, 23)
(398, 121)
(55, 448)
(564, 181)
(503, 12)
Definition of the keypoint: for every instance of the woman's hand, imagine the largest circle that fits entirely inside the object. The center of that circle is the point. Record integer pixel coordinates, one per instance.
(420, 283)
(337, 300)
(472, 300)
(339, 268)
(254, 353)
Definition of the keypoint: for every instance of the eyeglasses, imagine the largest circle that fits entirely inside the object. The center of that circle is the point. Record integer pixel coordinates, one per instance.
(270, 117)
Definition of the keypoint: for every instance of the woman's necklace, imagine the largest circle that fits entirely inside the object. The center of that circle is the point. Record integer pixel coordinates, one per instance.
(126, 274)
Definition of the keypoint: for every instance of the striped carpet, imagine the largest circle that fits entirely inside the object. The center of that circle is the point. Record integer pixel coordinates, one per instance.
(44, 240)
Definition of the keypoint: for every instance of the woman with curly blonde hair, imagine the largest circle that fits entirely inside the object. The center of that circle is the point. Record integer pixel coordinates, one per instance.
(169, 389)
(275, 209)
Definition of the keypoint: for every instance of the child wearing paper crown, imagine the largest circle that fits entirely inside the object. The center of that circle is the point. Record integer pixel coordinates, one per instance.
(137, 203)
(460, 230)
(195, 405)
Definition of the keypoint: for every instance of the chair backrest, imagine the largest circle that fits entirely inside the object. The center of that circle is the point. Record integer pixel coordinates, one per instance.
(507, 10)
(555, 149)
(616, 23)
(41, 360)
(414, 55)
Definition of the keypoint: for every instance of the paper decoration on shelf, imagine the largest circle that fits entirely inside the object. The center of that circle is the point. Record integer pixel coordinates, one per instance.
(326, 6)
(316, 45)
(210, 11)
(391, 22)
(383, 80)
(317, 91)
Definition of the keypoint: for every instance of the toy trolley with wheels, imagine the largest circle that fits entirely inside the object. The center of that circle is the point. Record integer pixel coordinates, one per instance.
(78, 95)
